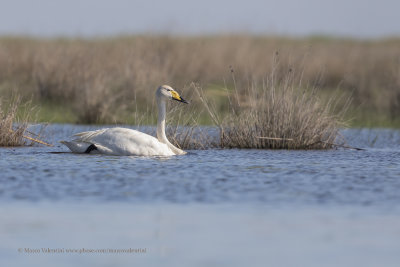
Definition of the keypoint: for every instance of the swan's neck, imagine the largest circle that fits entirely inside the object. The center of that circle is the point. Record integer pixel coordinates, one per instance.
(161, 127)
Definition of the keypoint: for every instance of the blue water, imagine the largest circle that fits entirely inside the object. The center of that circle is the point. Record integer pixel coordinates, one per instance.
(338, 204)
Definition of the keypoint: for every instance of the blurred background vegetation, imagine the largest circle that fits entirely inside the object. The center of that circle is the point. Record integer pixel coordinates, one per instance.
(112, 80)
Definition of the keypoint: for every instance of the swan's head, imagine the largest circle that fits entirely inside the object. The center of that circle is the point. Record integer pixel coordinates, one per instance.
(167, 92)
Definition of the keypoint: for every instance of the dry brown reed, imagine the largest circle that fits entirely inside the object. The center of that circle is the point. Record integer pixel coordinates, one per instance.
(282, 113)
(11, 134)
(14, 118)
(101, 79)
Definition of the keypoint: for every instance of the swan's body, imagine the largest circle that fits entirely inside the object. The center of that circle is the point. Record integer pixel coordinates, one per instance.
(118, 141)
(128, 142)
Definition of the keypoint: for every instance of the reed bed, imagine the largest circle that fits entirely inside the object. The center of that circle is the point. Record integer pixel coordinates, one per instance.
(14, 123)
(100, 80)
(282, 113)
(265, 104)
(12, 134)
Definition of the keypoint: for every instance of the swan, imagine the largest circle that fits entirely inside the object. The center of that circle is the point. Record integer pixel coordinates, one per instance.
(127, 142)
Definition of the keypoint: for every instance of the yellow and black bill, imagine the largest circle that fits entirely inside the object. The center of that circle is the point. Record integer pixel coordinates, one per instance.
(177, 97)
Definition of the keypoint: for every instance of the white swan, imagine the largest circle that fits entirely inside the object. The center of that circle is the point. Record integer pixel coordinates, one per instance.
(128, 142)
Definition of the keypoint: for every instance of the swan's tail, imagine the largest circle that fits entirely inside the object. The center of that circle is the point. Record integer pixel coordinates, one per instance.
(79, 147)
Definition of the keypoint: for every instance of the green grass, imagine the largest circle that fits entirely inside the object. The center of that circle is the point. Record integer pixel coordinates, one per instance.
(370, 119)
(55, 113)
(48, 112)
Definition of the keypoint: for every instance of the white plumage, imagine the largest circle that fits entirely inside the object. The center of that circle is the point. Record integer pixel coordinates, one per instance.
(127, 142)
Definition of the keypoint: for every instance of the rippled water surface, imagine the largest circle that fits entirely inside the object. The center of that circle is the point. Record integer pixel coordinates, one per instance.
(205, 207)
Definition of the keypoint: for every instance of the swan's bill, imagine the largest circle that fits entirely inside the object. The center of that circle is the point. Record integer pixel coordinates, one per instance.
(177, 97)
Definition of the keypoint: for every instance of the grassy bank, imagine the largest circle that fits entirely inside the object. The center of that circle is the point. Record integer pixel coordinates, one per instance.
(113, 80)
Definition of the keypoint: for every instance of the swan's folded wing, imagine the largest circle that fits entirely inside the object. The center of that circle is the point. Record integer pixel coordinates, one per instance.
(89, 135)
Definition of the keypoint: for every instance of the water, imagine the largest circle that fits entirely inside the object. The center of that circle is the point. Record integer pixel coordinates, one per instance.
(209, 207)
